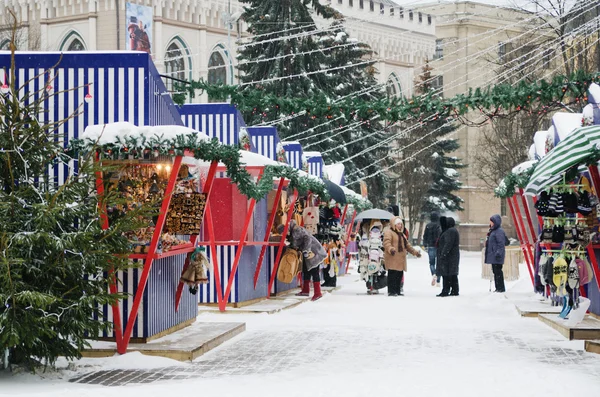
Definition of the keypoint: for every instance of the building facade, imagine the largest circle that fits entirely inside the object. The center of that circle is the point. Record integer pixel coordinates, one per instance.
(472, 39)
(192, 39)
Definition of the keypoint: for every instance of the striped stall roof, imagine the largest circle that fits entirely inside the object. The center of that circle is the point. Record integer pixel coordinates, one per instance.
(265, 140)
(573, 150)
(293, 153)
(217, 120)
(125, 86)
(315, 163)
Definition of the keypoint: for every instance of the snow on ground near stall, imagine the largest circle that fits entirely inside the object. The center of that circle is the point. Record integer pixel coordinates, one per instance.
(353, 345)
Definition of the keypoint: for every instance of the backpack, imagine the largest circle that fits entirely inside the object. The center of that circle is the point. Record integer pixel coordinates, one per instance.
(289, 265)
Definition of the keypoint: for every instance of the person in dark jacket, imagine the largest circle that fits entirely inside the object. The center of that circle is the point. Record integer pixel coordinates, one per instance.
(495, 250)
(430, 239)
(448, 257)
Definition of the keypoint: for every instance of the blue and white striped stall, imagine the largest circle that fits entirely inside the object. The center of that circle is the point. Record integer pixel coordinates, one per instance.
(224, 122)
(293, 153)
(315, 163)
(264, 140)
(124, 86)
(217, 120)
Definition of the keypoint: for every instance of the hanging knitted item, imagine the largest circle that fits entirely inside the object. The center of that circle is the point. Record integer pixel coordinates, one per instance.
(196, 272)
(542, 204)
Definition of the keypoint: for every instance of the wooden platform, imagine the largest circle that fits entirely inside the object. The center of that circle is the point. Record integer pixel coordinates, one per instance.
(184, 345)
(588, 329)
(529, 308)
(592, 346)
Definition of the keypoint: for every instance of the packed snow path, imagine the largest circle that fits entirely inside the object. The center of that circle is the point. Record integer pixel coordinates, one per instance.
(351, 344)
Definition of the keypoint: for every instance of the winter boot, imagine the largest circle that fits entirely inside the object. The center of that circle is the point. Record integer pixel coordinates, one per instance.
(306, 288)
(317, 287)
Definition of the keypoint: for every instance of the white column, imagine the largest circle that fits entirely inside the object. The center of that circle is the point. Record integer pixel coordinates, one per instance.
(158, 52)
(92, 42)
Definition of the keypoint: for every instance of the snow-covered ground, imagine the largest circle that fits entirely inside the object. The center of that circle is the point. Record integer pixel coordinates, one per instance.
(353, 345)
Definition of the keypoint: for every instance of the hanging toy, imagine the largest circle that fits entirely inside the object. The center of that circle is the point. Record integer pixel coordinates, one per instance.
(196, 272)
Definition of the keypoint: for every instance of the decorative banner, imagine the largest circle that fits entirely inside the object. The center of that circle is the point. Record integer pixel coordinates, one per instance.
(185, 213)
(139, 28)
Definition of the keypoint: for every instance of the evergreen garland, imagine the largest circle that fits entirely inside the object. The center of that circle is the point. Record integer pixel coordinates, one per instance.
(206, 150)
(540, 96)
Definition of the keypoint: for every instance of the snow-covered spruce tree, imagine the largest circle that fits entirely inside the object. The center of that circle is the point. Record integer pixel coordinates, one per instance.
(53, 251)
(361, 132)
(271, 20)
(428, 177)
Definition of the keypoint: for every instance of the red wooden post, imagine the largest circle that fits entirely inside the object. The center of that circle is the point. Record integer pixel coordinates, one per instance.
(238, 254)
(213, 251)
(282, 242)
(150, 256)
(528, 244)
(511, 205)
(540, 219)
(212, 171)
(344, 215)
(526, 208)
(268, 231)
(112, 283)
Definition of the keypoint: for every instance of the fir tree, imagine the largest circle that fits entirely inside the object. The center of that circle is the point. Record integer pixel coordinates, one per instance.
(271, 20)
(54, 255)
(428, 177)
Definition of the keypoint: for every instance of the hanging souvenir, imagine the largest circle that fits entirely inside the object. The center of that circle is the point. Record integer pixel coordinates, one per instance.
(185, 214)
(542, 204)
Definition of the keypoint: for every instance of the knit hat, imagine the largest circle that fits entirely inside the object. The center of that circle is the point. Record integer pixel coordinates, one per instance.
(542, 204)
(583, 204)
(558, 234)
(583, 271)
(556, 206)
(570, 202)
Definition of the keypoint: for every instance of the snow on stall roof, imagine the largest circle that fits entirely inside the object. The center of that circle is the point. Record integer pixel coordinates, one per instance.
(539, 140)
(565, 123)
(594, 94)
(531, 153)
(312, 154)
(290, 143)
(108, 133)
(249, 159)
(523, 167)
(306, 174)
(335, 172)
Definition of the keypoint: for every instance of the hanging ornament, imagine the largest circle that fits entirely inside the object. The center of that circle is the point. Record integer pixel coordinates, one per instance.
(4, 89)
(88, 97)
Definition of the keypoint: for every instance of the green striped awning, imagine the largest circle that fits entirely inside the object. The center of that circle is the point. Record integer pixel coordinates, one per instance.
(573, 150)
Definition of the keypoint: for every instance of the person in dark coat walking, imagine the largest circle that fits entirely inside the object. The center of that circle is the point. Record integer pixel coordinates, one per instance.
(430, 239)
(448, 257)
(495, 250)
(313, 255)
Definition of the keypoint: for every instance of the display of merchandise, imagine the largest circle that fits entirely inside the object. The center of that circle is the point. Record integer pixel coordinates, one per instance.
(140, 182)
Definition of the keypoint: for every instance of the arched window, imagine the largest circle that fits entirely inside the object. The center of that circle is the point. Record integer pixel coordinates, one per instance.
(217, 70)
(5, 45)
(72, 42)
(174, 65)
(76, 45)
(393, 86)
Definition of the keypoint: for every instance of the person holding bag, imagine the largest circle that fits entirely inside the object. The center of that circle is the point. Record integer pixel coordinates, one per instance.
(313, 255)
(395, 247)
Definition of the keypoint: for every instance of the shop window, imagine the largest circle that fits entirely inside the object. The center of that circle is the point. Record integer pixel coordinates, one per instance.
(420, 18)
(371, 5)
(361, 4)
(391, 11)
(437, 84)
(174, 65)
(381, 9)
(429, 19)
(401, 13)
(351, 3)
(410, 15)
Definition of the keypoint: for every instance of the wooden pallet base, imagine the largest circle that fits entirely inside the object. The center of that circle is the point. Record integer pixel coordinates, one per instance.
(592, 346)
(588, 329)
(534, 309)
(184, 345)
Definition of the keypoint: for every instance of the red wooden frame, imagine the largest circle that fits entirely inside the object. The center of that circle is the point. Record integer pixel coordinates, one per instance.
(123, 337)
(522, 235)
(596, 184)
(268, 231)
